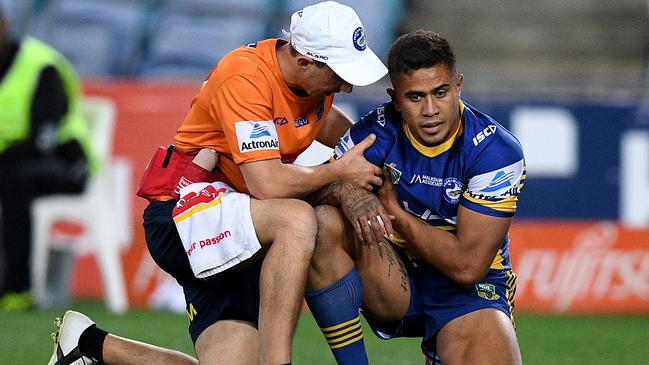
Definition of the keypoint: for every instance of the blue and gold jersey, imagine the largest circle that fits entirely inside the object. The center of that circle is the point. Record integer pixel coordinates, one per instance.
(480, 167)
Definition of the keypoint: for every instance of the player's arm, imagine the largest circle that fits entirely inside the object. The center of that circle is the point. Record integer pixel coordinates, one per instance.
(268, 179)
(360, 208)
(337, 124)
(465, 256)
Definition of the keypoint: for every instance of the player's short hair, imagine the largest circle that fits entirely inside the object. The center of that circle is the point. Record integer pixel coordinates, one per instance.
(295, 53)
(419, 49)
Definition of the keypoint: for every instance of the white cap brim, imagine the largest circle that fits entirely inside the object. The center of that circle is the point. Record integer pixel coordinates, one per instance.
(362, 71)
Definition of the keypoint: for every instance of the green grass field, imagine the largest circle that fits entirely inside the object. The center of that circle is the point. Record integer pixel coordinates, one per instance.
(544, 339)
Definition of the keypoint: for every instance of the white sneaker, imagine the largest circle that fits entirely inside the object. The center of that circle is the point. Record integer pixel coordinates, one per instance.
(66, 340)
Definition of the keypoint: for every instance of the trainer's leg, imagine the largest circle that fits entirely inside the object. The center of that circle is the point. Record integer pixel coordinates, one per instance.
(228, 342)
(78, 340)
(122, 351)
(287, 227)
(485, 336)
(339, 266)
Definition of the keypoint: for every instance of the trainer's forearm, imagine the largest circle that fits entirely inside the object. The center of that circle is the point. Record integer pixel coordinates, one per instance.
(289, 181)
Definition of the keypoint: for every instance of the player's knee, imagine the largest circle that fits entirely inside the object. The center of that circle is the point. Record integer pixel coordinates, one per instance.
(330, 227)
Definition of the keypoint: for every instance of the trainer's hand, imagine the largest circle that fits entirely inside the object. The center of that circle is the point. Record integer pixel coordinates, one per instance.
(353, 167)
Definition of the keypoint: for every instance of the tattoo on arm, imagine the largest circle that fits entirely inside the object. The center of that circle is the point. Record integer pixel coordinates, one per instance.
(338, 194)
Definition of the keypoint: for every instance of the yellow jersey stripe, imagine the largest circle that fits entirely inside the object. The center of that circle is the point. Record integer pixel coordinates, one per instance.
(436, 150)
(505, 205)
(497, 264)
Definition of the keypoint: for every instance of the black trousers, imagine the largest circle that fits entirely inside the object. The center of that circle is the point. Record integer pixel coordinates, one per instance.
(24, 176)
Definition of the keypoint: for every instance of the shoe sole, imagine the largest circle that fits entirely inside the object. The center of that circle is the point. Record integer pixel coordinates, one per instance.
(58, 321)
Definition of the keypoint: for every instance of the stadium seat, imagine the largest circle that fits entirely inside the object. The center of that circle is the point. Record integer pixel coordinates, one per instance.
(100, 38)
(190, 37)
(103, 209)
(254, 8)
(19, 14)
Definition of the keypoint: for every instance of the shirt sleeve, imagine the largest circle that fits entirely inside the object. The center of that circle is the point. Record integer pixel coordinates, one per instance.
(243, 106)
(496, 177)
(372, 123)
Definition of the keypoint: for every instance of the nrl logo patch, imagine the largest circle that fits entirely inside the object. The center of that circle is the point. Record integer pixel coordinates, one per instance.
(487, 291)
(395, 175)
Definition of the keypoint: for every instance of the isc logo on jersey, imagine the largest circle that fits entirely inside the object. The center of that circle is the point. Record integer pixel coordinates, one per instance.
(489, 130)
(255, 136)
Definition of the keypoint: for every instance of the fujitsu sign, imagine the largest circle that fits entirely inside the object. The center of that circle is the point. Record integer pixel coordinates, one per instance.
(597, 267)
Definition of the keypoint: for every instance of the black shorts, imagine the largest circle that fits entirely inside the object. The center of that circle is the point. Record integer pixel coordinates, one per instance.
(232, 294)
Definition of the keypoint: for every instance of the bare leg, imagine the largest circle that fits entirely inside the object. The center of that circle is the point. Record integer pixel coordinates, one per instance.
(121, 351)
(287, 229)
(386, 288)
(291, 227)
(228, 342)
(485, 336)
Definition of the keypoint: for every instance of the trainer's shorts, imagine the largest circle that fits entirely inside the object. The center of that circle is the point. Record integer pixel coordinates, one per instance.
(435, 300)
(230, 295)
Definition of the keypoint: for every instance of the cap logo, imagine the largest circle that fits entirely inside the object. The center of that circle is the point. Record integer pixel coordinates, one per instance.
(360, 42)
(317, 56)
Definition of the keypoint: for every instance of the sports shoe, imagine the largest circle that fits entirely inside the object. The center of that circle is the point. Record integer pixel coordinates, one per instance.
(66, 340)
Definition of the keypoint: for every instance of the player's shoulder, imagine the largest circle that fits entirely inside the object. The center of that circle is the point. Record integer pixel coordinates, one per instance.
(384, 121)
(483, 134)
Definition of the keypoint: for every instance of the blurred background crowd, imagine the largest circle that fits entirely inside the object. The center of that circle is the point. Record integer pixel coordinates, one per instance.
(554, 48)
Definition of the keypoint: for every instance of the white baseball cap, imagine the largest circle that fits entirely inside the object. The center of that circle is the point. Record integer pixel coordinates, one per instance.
(332, 33)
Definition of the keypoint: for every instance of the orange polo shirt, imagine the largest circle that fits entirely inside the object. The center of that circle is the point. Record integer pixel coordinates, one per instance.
(246, 112)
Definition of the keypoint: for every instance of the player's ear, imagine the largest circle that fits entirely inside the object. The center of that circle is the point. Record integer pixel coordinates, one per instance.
(393, 97)
(458, 84)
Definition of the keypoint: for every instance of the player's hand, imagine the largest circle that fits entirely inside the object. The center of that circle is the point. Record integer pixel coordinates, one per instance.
(386, 193)
(366, 214)
(354, 168)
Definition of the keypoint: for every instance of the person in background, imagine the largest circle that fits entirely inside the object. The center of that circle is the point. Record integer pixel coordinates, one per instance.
(45, 148)
(232, 230)
(452, 177)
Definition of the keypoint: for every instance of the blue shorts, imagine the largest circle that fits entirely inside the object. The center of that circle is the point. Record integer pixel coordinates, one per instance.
(435, 300)
(230, 295)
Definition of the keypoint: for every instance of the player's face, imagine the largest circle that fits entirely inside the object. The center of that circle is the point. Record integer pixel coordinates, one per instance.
(429, 100)
(322, 82)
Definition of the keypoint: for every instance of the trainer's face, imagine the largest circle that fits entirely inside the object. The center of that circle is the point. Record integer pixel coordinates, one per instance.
(429, 101)
(322, 81)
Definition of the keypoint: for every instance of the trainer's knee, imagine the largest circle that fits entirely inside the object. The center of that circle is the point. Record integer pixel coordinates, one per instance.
(299, 221)
(299, 215)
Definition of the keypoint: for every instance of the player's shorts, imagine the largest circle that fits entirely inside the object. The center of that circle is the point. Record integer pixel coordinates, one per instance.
(230, 295)
(435, 300)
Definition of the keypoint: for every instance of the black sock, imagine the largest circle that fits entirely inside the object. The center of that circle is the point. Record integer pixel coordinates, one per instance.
(91, 343)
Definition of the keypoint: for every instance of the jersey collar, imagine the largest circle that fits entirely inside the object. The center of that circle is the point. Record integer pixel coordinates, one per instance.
(436, 150)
